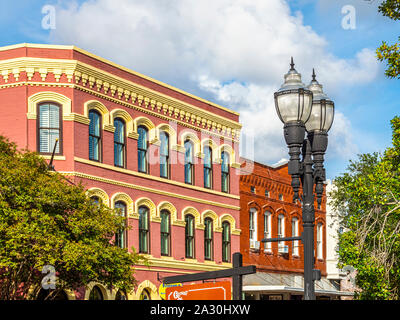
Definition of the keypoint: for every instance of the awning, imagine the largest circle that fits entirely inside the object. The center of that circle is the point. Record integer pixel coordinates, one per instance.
(264, 282)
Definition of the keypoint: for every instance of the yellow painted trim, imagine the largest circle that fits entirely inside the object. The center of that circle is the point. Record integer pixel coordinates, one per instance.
(96, 77)
(77, 118)
(227, 148)
(103, 290)
(166, 127)
(99, 193)
(45, 96)
(179, 223)
(159, 179)
(161, 270)
(124, 115)
(178, 148)
(143, 201)
(210, 214)
(187, 264)
(146, 284)
(169, 258)
(59, 158)
(165, 205)
(98, 94)
(151, 94)
(235, 165)
(192, 136)
(152, 190)
(192, 211)
(146, 122)
(71, 47)
(121, 196)
(101, 108)
(232, 223)
(214, 147)
(109, 128)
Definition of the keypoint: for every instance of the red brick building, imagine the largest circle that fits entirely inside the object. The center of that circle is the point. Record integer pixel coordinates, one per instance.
(267, 211)
(167, 159)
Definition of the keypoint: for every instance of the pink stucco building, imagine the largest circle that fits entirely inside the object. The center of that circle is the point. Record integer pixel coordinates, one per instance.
(168, 159)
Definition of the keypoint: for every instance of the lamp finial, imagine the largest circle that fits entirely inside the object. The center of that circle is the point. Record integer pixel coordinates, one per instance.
(313, 75)
(291, 64)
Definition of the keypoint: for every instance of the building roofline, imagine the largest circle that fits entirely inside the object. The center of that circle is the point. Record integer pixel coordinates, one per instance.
(94, 56)
(269, 166)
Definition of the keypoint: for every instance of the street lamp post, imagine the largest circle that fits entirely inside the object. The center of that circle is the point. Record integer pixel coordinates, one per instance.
(304, 109)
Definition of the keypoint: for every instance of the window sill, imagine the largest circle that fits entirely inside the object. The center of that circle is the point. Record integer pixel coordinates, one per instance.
(167, 257)
(59, 157)
(283, 253)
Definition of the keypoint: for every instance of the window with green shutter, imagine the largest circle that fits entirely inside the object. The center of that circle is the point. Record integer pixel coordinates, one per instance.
(208, 239)
(189, 236)
(94, 135)
(165, 233)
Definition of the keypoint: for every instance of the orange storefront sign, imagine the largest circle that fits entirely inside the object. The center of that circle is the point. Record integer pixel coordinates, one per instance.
(203, 291)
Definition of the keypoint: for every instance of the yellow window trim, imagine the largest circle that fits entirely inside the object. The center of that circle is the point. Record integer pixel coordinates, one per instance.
(150, 177)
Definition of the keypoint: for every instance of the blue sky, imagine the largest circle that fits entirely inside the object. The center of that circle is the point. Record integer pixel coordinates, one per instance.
(235, 53)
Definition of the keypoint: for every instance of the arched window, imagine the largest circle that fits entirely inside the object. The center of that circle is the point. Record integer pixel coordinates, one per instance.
(119, 143)
(319, 241)
(121, 295)
(145, 295)
(226, 242)
(225, 172)
(96, 294)
(281, 232)
(94, 136)
(120, 236)
(189, 168)
(165, 233)
(143, 230)
(49, 127)
(189, 236)
(95, 200)
(208, 239)
(142, 149)
(267, 230)
(208, 176)
(164, 155)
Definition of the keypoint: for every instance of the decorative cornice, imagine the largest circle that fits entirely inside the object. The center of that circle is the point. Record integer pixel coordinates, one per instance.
(109, 86)
(71, 47)
(151, 190)
(159, 179)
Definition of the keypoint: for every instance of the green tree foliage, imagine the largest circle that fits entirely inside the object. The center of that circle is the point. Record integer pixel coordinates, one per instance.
(367, 198)
(44, 220)
(390, 53)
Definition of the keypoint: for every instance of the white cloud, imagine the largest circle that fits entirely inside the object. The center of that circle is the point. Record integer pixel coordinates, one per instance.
(234, 51)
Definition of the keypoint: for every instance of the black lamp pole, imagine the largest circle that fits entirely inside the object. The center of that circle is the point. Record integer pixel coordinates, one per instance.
(303, 171)
(305, 109)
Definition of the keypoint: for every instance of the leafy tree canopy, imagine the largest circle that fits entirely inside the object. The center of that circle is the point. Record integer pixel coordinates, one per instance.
(46, 221)
(390, 53)
(367, 198)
